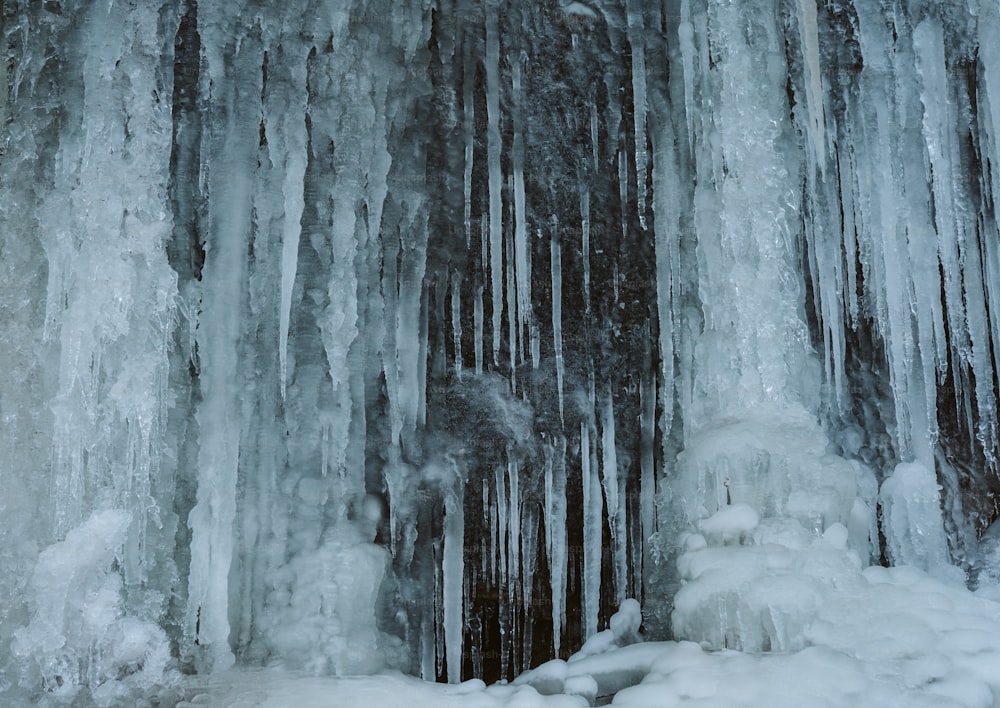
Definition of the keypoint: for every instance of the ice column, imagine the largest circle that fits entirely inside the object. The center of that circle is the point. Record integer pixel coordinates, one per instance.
(231, 141)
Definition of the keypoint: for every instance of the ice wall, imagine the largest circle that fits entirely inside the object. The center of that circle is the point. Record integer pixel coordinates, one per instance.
(418, 334)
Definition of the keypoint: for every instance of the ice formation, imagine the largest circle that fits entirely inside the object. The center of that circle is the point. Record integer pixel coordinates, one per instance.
(439, 337)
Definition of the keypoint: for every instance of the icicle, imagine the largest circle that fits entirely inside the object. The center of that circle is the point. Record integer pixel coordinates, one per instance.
(428, 671)
(647, 469)
(966, 326)
(849, 230)
(536, 345)
(585, 240)
(667, 200)
(514, 532)
(637, 40)
(456, 320)
(410, 347)
(989, 59)
(809, 37)
(502, 539)
(494, 536)
(522, 244)
(212, 518)
(453, 570)
(555, 534)
(556, 251)
(515, 344)
(484, 242)
(495, 178)
(478, 320)
(623, 192)
(484, 565)
(529, 562)
(293, 132)
(469, 128)
(594, 142)
(592, 546)
(422, 364)
(685, 35)
(439, 626)
(612, 495)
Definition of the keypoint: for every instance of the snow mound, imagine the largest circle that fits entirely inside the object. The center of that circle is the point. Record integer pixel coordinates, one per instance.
(730, 525)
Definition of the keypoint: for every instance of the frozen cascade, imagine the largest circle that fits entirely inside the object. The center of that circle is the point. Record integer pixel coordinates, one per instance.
(255, 257)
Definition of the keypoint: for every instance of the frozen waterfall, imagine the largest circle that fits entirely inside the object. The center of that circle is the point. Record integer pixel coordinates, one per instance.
(352, 335)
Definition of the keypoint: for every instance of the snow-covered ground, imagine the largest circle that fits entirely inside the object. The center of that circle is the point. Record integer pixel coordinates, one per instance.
(876, 637)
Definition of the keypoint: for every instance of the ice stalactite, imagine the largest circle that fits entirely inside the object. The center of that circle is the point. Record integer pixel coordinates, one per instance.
(592, 546)
(555, 251)
(522, 252)
(456, 320)
(555, 528)
(453, 560)
(492, 61)
(614, 501)
(636, 38)
(233, 140)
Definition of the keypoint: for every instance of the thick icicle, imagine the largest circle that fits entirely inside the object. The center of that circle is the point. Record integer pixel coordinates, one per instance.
(477, 315)
(515, 342)
(292, 131)
(647, 468)
(492, 60)
(469, 130)
(623, 192)
(809, 37)
(514, 530)
(456, 320)
(585, 240)
(667, 200)
(453, 571)
(636, 38)
(611, 481)
(219, 335)
(592, 523)
(555, 534)
(522, 243)
(557, 344)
